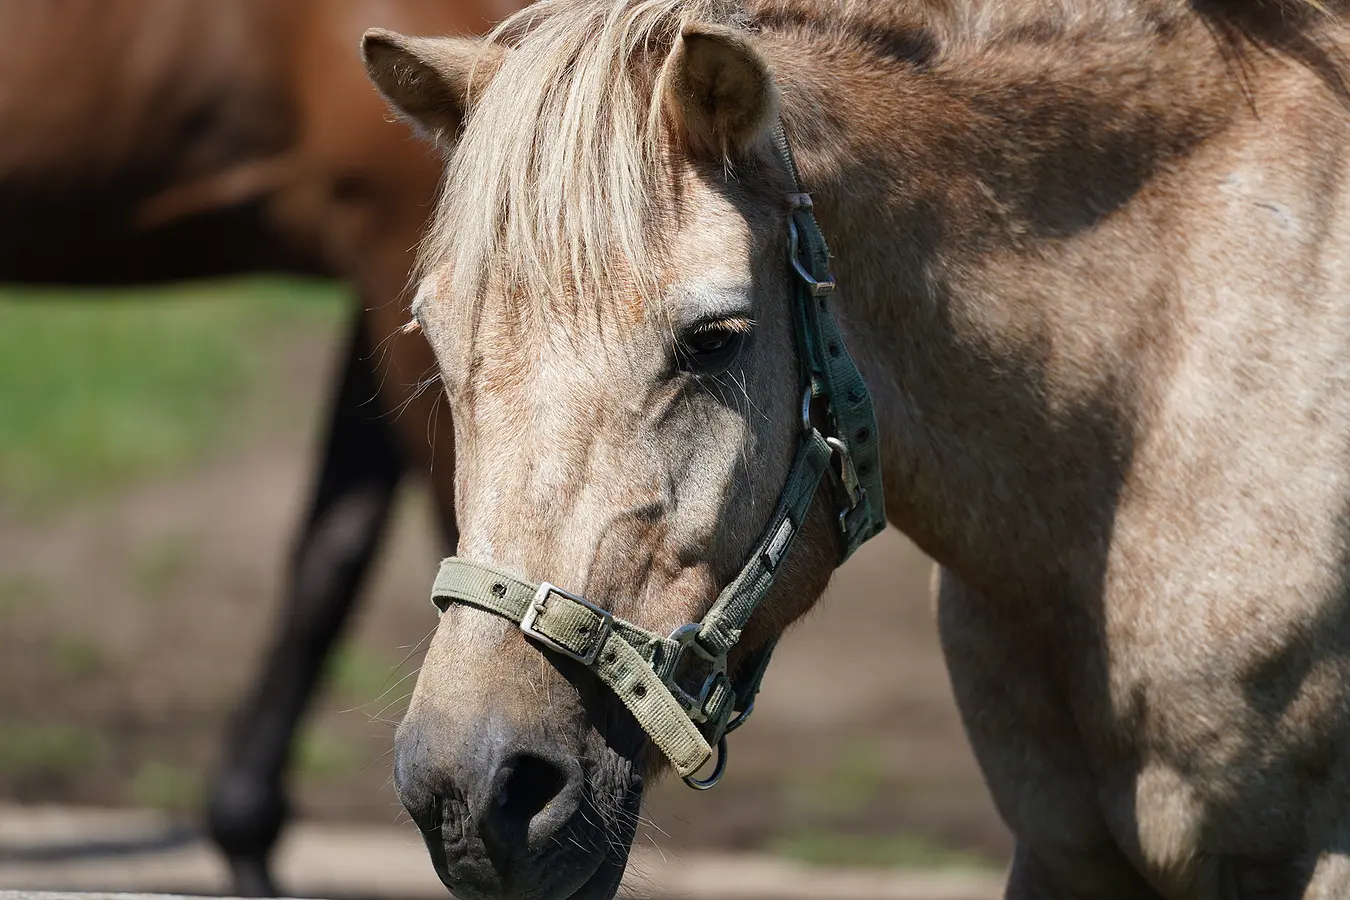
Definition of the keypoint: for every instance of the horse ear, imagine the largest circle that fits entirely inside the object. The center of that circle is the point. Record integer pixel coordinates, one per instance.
(431, 81)
(719, 90)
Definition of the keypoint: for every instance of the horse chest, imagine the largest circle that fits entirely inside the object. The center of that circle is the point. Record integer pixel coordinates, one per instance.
(1126, 755)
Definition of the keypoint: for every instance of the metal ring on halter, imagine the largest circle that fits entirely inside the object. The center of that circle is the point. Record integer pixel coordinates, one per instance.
(740, 719)
(718, 770)
(807, 427)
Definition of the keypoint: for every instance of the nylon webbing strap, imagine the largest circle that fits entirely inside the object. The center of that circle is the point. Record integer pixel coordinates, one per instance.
(619, 653)
(829, 371)
(647, 671)
(637, 664)
(730, 612)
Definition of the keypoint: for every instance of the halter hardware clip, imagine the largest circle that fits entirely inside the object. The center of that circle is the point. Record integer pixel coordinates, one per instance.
(816, 287)
(687, 644)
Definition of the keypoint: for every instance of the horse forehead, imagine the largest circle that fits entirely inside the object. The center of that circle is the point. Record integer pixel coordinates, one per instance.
(550, 423)
(555, 379)
(711, 223)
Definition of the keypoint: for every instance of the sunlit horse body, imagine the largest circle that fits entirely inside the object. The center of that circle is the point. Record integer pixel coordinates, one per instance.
(1092, 261)
(149, 140)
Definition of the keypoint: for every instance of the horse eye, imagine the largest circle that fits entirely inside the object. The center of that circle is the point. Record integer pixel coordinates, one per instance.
(712, 341)
(709, 346)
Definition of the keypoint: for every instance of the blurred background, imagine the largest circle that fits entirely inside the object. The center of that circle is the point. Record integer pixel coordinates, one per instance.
(157, 447)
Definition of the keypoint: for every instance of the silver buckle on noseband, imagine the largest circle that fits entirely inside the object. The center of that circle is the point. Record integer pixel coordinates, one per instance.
(537, 606)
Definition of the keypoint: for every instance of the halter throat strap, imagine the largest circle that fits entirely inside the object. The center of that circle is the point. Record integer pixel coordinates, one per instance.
(677, 687)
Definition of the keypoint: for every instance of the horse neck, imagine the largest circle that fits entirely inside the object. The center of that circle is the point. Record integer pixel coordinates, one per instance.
(993, 221)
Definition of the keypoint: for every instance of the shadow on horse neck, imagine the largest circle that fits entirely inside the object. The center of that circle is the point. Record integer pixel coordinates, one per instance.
(1078, 234)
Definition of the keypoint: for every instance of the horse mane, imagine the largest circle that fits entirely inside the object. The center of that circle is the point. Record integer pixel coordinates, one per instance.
(1292, 28)
(557, 168)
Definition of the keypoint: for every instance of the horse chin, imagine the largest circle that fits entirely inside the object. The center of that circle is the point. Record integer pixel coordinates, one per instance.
(604, 883)
(598, 883)
(571, 878)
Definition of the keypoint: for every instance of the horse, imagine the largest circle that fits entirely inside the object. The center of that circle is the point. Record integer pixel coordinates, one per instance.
(1091, 266)
(151, 140)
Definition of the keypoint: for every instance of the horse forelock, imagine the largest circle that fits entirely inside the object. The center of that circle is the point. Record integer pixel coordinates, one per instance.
(552, 195)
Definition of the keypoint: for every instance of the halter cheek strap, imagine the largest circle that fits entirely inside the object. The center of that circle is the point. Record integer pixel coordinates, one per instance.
(678, 687)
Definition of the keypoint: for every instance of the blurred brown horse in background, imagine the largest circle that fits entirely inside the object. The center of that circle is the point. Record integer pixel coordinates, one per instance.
(155, 140)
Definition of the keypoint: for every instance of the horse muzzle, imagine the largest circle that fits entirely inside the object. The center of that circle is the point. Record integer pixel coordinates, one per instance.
(507, 813)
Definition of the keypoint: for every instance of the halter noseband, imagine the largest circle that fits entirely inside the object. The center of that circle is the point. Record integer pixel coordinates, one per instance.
(678, 687)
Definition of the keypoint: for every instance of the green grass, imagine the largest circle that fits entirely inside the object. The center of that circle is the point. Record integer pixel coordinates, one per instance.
(847, 787)
(162, 785)
(28, 750)
(875, 851)
(855, 782)
(75, 659)
(158, 565)
(837, 802)
(324, 756)
(100, 387)
(17, 591)
(359, 677)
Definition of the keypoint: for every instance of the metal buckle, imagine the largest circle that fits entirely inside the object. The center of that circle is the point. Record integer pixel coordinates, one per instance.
(537, 606)
(686, 638)
(848, 477)
(847, 473)
(817, 288)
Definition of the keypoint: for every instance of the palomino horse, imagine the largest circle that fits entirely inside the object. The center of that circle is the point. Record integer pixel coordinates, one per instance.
(148, 140)
(1091, 264)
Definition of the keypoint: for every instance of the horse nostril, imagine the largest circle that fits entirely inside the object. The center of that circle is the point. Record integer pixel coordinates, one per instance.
(533, 798)
(532, 785)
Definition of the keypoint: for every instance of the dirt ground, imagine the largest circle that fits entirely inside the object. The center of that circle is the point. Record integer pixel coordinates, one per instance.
(67, 849)
(130, 626)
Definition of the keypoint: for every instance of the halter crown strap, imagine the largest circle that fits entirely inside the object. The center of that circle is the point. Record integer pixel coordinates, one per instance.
(830, 373)
(677, 687)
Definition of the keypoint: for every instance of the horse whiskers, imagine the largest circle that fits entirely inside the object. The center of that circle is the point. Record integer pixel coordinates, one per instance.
(657, 848)
(418, 389)
(381, 695)
(390, 686)
(637, 818)
(379, 716)
(433, 420)
(415, 648)
(392, 703)
(378, 759)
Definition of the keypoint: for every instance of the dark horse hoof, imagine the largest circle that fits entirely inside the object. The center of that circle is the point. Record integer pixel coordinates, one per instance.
(251, 877)
(245, 817)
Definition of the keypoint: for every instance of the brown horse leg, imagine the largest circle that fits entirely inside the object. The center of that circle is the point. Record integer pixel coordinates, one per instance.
(361, 469)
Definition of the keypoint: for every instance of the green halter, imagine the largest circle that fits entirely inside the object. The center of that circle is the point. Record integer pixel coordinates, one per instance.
(678, 687)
